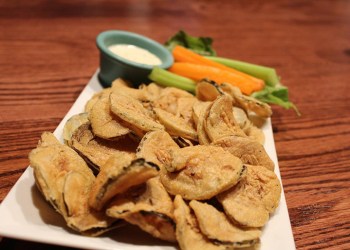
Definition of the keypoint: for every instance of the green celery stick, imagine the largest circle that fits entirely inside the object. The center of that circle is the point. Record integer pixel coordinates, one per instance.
(168, 79)
(267, 74)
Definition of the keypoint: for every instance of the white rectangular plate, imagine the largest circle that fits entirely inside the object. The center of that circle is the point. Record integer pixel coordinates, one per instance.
(24, 214)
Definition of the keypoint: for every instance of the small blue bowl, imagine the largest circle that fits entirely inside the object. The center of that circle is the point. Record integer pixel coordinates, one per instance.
(113, 66)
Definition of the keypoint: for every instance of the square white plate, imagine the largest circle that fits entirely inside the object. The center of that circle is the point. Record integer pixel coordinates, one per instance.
(24, 214)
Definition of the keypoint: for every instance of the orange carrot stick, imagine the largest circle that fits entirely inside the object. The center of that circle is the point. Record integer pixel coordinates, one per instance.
(198, 72)
(182, 54)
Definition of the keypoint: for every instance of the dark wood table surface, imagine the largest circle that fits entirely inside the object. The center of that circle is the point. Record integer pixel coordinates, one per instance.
(48, 54)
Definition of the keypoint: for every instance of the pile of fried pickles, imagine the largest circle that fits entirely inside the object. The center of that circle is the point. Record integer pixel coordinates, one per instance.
(183, 168)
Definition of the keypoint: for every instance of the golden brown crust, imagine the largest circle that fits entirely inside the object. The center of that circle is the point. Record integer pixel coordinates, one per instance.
(117, 176)
(200, 172)
(203, 161)
(155, 147)
(132, 112)
(65, 181)
(151, 209)
(256, 196)
(103, 121)
(188, 233)
(248, 150)
(176, 126)
(96, 151)
(220, 121)
(217, 227)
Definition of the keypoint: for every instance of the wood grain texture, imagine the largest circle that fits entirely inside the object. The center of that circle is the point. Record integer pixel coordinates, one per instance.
(48, 53)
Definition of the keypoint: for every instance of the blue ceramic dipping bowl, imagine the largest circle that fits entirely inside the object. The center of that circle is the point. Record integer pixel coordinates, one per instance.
(113, 66)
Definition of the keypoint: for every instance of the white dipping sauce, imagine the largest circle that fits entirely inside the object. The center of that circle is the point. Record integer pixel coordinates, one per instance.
(135, 54)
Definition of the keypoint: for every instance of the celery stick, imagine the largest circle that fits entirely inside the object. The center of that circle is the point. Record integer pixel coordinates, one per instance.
(267, 74)
(168, 79)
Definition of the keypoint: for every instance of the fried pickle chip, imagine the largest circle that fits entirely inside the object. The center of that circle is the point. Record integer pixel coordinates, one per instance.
(132, 112)
(201, 172)
(255, 133)
(247, 126)
(65, 181)
(217, 227)
(197, 109)
(120, 86)
(149, 207)
(117, 176)
(104, 123)
(252, 200)
(175, 125)
(153, 91)
(188, 233)
(248, 150)
(220, 121)
(185, 109)
(72, 124)
(241, 117)
(168, 99)
(91, 102)
(202, 134)
(96, 151)
(80, 217)
(155, 147)
(51, 161)
(248, 103)
(207, 90)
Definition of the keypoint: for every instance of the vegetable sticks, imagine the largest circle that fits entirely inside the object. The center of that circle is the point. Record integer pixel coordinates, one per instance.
(198, 72)
(182, 54)
(168, 79)
(267, 74)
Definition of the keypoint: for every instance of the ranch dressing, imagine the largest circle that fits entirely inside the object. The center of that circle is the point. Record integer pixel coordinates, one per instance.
(135, 54)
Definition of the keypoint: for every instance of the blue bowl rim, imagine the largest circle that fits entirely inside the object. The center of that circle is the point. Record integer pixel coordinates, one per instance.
(108, 33)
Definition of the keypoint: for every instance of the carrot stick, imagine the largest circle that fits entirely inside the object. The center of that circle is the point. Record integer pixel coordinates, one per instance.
(198, 72)
(182, 54)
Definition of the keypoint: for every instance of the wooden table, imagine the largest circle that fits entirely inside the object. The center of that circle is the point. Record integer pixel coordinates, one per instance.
(48, 54)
